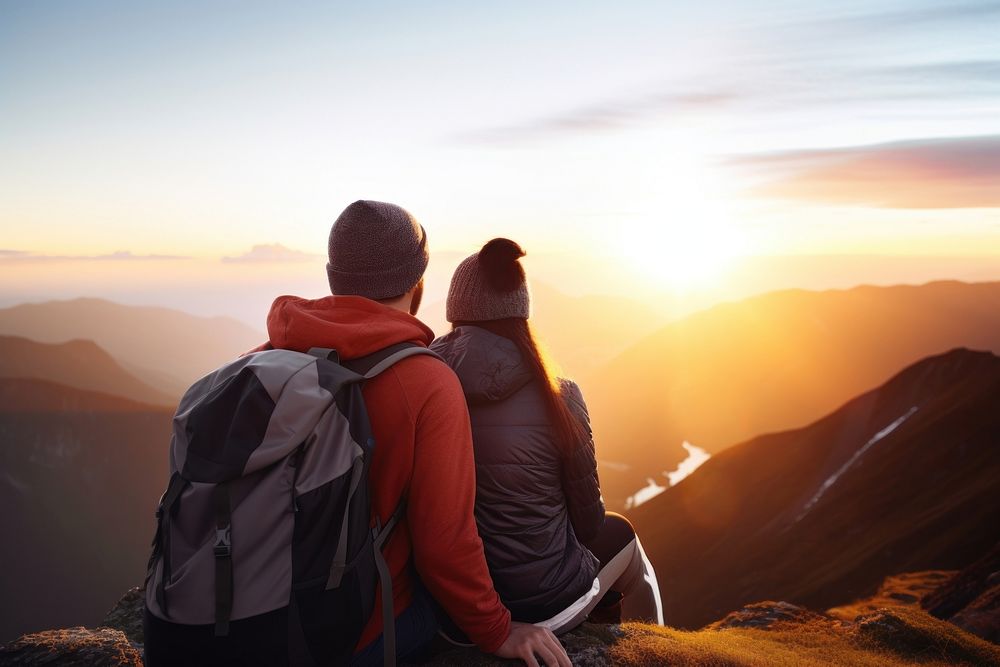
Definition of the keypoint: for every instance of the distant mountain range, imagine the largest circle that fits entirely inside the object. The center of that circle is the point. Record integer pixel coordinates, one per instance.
(769, 363)
(77, 363)
(166, 349)
(903, 478)
(169, 349)
(581, 333)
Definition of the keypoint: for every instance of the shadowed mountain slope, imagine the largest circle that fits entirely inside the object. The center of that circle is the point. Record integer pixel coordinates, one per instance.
(26, 395)
(768, 363)
(79, 481)
(901, 479)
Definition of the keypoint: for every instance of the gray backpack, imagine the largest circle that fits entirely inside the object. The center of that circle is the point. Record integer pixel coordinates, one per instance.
(263, 543)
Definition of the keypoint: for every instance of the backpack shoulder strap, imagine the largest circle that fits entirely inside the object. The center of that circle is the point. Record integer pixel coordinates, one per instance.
(371, 365)
(380, 535)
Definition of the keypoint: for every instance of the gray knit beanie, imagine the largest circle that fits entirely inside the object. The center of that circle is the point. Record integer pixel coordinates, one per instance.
(376, 250)
(489, 285)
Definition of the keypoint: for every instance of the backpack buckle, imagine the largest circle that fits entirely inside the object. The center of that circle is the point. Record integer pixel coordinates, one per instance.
(223, 546)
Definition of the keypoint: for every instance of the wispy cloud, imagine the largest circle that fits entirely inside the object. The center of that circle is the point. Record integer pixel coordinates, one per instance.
(934, 15)
(980, 71)
(273, 252)
(955, 81)
(7, 255)
(767, 87)
(608, 115)
(927, 173)
(845, 59)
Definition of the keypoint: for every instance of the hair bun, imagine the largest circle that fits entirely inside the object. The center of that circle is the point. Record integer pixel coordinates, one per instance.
(499, 261)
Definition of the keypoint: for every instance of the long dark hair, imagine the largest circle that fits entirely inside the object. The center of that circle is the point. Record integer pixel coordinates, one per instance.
(498, 259)
(567, 427)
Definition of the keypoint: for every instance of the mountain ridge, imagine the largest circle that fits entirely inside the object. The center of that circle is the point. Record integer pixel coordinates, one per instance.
(773, 362)
(166, 348)
(77, 363)
(923, 497)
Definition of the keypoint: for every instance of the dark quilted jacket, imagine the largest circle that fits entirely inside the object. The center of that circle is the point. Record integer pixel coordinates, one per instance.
(533, 507)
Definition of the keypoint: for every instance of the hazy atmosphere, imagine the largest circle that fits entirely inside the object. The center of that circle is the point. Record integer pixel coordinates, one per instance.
(763, 237)
(186, 154)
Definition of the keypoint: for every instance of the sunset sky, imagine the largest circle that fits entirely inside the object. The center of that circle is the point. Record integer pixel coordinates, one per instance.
(669, 144)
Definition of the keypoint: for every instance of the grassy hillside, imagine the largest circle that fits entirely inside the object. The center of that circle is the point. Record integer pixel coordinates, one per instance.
(900, 590)
(772, 634)
(762, 635)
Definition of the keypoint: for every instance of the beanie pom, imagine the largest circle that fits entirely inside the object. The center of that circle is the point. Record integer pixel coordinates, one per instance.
(499, 261)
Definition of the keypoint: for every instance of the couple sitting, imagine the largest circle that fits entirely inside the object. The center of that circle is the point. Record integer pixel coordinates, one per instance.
(505, 542)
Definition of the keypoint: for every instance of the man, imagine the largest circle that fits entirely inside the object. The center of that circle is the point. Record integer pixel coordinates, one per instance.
(423, 453)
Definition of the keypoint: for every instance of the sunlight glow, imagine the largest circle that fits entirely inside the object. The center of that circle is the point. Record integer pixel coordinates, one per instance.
(685, 237)
(683, 254)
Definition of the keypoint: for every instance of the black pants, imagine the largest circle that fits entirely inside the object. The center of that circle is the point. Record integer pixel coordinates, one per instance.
(615, 535)
(625, 574)
(260, 641)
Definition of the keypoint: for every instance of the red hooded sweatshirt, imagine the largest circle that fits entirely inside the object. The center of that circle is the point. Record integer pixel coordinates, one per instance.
(423, 453)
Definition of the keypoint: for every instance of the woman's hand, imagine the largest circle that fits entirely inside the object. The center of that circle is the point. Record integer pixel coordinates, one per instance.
(525, 641)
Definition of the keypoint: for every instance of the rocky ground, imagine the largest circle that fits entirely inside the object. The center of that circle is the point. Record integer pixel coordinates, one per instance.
(767, 633)
(901, 590)
(971, 599)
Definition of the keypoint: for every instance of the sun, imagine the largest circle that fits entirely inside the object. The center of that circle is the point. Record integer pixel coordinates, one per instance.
(676, 225)
(687, 245)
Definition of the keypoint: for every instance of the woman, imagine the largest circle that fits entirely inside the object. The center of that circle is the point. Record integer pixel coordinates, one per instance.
(553, 551)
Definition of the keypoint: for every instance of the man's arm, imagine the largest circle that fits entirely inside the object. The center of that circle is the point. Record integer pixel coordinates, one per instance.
(447, 549)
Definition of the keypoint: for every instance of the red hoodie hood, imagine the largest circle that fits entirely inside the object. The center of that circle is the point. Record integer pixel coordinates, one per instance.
(352, 325)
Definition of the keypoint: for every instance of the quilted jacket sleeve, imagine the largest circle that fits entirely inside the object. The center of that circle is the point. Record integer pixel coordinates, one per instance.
(579, 479)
